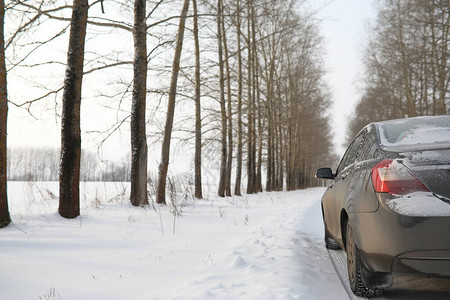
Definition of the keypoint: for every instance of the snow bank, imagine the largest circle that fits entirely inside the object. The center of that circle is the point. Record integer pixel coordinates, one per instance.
(265, 246)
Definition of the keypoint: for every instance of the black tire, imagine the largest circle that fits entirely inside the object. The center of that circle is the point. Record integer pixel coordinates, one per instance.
(354, 266)
(330, 243)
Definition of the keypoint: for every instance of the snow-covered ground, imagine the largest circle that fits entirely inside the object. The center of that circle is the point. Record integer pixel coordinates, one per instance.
(264, 246)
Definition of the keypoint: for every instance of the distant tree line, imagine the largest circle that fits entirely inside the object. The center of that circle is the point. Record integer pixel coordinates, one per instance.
(42, 164)
(407, 70)
(245, 78)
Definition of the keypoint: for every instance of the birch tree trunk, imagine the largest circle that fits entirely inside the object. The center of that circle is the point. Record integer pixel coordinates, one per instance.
(69, 176)
(257, 185)
(250, 131)
(229, 114)
(223, 156)
(165, 151)
(198, 119)
(5, 218)
(237, 185)
(139, 152)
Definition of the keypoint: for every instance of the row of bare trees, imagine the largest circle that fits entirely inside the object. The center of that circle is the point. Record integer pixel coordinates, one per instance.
(42, 164)
(407, 71)
(256, 93)
(276, 91)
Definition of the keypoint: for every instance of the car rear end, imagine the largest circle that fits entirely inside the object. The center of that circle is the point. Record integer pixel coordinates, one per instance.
(410, 231)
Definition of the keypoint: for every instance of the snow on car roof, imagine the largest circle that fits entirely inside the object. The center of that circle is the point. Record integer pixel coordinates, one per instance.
(419, 133)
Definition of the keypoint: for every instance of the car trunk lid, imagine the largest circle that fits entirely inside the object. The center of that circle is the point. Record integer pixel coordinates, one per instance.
(432, 168)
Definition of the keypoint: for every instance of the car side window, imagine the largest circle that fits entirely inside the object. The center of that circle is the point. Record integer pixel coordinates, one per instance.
(341, 165)
(351, 156)
(369, 147)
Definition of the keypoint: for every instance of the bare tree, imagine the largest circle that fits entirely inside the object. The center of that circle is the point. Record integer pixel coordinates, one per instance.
(69, 179)
(139, 150)
(258, 110)
(198, 119)
(4, 211)
(229, 114)
(165, 151)
(237, 185)
(250, 105)
(223, 140)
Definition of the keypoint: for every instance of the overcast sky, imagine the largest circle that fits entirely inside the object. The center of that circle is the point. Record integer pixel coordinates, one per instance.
(343, 28)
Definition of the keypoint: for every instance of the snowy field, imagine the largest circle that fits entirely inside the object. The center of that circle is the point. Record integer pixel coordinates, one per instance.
(265, 246)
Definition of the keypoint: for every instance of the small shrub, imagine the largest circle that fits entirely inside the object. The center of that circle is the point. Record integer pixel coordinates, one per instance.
(51, 293)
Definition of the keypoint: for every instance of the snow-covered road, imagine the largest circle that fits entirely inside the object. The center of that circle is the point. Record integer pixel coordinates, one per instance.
(280, 258)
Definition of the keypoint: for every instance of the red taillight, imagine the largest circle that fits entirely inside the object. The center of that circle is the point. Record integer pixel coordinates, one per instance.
(390, 176)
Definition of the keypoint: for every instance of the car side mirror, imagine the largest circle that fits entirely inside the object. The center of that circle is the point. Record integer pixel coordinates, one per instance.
(325, 173)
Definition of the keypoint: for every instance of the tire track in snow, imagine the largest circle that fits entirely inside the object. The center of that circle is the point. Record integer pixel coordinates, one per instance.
(340, 265)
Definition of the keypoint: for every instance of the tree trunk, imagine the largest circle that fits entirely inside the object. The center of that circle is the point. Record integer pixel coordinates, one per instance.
(269, 183)
(255, 96)
(139, 150)
(237, 185)
(198, 119)
(281, 159)
(229, 115)
(250, 131)
(165, 152)
(69, 176)
(261, 125)
(223, 156)
(5, 218)
(292, 138)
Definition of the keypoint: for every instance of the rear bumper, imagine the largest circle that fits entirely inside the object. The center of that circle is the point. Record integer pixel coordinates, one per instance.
(391, 242)
(427, 262)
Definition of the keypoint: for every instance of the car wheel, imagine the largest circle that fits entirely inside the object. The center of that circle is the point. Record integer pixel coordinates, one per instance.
(330, 243)
(354, 265)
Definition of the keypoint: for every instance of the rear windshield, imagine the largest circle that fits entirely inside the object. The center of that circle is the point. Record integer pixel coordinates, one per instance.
(418, 133)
